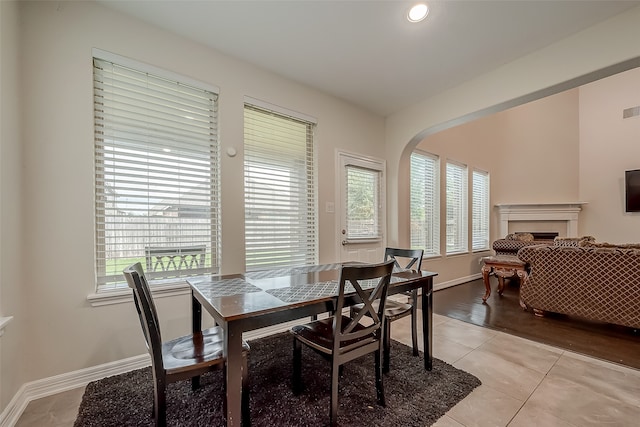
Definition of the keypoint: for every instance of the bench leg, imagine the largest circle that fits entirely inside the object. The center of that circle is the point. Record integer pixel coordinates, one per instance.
(500, 284)
(486, 270)
(538, 312)
(523, 305)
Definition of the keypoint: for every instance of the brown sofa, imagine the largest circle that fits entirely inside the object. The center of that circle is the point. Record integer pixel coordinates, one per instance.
(594, 281)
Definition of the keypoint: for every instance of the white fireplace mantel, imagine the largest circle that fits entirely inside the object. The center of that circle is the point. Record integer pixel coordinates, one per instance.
(568, 212)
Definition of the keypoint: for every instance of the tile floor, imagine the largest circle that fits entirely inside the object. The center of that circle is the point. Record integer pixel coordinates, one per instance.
(523, 384)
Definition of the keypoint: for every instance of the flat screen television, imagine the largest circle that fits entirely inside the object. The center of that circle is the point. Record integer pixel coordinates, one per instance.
(632, 190)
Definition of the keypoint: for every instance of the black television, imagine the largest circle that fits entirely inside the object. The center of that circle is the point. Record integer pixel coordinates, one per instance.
(632, 190)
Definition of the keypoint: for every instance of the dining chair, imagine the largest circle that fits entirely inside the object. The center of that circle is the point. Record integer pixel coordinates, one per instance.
(186, 357)
(394, 309)
(341, 338)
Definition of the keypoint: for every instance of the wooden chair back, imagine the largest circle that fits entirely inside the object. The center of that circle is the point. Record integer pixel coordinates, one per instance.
(147, 313)
(413, 255)
(360, 277)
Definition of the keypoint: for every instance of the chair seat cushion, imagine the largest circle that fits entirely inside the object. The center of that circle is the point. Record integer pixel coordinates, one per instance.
(319, 334)
(204, 347)
(393, 310)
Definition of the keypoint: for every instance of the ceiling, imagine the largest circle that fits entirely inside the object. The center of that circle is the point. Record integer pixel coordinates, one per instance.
(366, 52)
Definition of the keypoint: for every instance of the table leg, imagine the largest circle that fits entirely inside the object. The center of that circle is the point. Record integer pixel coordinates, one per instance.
(233, 351)
(196, 326)
(427, 325)
(486, 269)
(196, 314)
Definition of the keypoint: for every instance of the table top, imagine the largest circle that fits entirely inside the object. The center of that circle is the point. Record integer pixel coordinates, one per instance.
(249, 294)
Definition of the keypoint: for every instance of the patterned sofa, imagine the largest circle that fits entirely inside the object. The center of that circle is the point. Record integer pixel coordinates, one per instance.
(512, 243)
(596, 281)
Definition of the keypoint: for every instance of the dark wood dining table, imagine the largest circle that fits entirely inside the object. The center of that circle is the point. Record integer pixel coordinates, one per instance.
(245, 302)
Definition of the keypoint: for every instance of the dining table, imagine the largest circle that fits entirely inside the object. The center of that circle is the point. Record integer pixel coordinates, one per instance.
(244, 302)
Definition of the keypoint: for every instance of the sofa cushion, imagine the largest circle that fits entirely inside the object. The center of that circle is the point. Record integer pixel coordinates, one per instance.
(522, 237)
(611, 245)
(573, 241)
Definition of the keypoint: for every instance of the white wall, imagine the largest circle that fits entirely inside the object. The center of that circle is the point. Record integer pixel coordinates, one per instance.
(57, 137)
(609, 145)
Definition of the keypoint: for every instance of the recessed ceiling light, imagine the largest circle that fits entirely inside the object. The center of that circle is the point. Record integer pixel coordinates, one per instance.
(418, 12)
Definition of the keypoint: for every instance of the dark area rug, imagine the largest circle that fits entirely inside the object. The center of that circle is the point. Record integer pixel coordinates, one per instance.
(415, 397)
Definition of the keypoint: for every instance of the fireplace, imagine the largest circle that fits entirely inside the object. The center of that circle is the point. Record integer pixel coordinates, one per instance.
(566, 213)
(541, 235)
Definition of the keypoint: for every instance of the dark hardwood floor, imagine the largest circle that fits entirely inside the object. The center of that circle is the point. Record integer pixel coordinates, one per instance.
(503, 313)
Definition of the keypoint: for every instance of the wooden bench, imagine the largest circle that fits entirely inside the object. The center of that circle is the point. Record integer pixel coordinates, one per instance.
(502, 266)
(175, 258)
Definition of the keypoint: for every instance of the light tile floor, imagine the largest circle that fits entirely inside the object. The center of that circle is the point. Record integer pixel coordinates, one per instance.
(524, 384)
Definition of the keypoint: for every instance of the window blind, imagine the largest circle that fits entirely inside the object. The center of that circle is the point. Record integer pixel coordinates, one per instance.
(425, 203)
(156, 176)
(280, 190)
(363, 204)
(480, 211)
(457, 211)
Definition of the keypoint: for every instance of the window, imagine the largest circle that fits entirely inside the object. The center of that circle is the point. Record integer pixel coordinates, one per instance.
(279, 190)
(363, 201)
(480, 211)
(156, 174)
(457, 211)
(425, 203)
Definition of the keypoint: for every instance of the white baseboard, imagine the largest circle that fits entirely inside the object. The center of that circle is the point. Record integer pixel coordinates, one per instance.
(71, 380)
(68, 381)
(457, 281)
(63, 382)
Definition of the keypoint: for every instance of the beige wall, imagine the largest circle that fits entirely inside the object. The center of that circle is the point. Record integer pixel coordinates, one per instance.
(609, 145)
(549, 70)
(12, 292)
(57, 137)
(531, 153)
(47, 163)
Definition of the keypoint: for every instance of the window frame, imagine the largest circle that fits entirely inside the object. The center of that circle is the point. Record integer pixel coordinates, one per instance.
(115, 289)
(461, 237)
(376, 171)
(429, 185)
(305, 174)
(484, 216)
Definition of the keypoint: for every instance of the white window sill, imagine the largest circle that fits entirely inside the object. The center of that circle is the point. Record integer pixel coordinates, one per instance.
(4, 321)
(475, 251)
(124, 295)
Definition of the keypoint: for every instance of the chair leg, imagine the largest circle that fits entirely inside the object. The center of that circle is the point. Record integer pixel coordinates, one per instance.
(246, 406)
(296, 381)
(224, 385)
(333, 411)
(160, 403)
(195, 382)
(386, 339)
(379, 383)
(414, 329)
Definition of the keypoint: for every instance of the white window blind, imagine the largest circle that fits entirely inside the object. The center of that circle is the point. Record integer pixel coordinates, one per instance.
(363, 204)
(480, 211)
(457, 211)
(425, 203)
(280, 190)
(156, 176)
